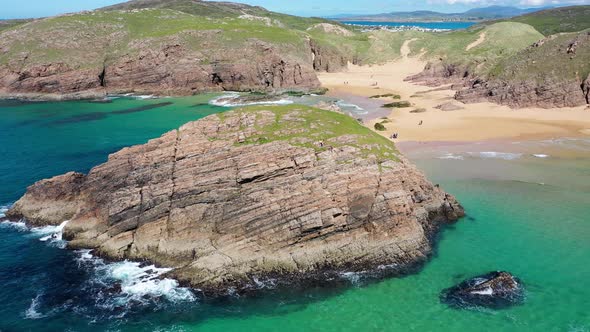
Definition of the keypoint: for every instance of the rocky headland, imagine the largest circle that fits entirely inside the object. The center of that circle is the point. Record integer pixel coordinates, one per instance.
(286, 192)
(179, 47)
(551, 72)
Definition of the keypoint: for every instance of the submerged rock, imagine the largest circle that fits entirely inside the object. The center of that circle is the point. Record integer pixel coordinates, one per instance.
(492, 290)
(291, 193)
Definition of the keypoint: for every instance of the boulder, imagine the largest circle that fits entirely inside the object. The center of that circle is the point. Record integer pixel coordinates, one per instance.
(492, 290)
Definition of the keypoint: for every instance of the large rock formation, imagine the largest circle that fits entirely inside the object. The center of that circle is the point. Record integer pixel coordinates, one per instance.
(550, 73)
(289, 192)
(492, 290)
(177, 47)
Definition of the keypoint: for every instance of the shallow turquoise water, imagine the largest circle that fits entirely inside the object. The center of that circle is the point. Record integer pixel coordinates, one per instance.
(538, 232)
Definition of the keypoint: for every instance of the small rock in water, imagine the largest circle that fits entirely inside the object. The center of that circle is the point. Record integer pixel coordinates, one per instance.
(493, 290)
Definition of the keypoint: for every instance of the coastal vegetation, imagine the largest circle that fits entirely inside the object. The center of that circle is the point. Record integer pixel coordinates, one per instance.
(386, 95)
(556, 20)
(398, 104)
(379, 126)
(317, 129)
(211, 46)
(311, 192)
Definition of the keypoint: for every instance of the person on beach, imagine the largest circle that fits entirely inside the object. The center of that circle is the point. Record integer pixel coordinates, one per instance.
(421, 122)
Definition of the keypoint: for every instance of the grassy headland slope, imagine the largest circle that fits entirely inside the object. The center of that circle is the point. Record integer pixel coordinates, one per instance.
(476, 50)
(513, 63)
(290, 192)
(7, 24)
(552, 21)
(172, 47)
(553, 72)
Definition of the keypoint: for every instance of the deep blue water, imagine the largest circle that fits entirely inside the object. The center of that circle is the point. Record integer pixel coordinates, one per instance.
(424, 25)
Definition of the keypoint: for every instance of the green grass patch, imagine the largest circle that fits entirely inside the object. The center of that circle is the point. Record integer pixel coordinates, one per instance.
(379, 126)
(308, 126)
(557, 20)
(391, 95)
(398, 104)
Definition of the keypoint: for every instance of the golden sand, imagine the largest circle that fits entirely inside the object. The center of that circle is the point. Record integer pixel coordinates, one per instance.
(480, 121)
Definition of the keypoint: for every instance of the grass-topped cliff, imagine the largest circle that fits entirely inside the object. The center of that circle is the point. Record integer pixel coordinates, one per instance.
(292, 193)
(540, 59)
(318, 129)
(176, 47)
(190, 46)
(556, 20)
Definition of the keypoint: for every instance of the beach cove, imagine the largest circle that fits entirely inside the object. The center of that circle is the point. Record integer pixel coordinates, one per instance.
(514, 192)
(471, 122)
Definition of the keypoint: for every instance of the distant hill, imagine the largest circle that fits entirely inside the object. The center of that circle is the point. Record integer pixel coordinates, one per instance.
(556, 20)
(476, 14)
(6, 24)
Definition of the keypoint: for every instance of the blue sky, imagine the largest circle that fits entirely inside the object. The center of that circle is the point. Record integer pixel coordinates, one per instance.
(39, 8)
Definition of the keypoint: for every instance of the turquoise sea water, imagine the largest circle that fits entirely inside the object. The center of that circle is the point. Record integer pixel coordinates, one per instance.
(423, 25)
(526, 214)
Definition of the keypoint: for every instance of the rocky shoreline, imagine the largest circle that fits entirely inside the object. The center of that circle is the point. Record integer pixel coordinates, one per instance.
(286, 193)
(527, 79)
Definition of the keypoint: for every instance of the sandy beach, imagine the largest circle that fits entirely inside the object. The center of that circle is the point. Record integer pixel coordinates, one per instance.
(475, 122)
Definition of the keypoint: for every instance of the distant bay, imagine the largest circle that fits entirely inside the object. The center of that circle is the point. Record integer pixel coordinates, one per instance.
(422, 25)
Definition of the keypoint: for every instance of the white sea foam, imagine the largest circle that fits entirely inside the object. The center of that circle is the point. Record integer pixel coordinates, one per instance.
(143, 97)
(230, 100)
(33, 311)
(51, 234)
(354, 108)
(16, 225)
(486, 291)
(353, 277)
(451, 156)
(540, 155)
(267, 283)
(496, 155)
(138, 283)
(3, 210)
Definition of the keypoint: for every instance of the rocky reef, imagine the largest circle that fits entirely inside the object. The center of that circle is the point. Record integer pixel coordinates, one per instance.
(286, 192)
(492, 290)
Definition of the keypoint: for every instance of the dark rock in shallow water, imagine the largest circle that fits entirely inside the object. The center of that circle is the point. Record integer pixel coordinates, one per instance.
(492, 290)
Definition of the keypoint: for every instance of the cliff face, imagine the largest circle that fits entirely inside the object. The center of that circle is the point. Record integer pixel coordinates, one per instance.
(289, 192)
(175, 47)
(550, 73)
(171, 67)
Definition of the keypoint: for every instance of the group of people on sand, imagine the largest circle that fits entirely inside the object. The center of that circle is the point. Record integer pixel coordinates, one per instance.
(394, 136)
(346, 82)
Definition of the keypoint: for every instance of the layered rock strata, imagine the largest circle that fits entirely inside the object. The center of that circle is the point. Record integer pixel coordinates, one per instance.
(291, 192)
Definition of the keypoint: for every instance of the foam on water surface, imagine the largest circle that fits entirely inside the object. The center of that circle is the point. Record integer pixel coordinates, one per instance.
(230, 100)
(496, 155)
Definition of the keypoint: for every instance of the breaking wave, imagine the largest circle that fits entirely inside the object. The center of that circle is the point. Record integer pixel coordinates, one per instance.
(496, 155)
(102, 289)
(33, 311)
(127, 283)
(232, 99)
(451, 157)
(351, 107)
